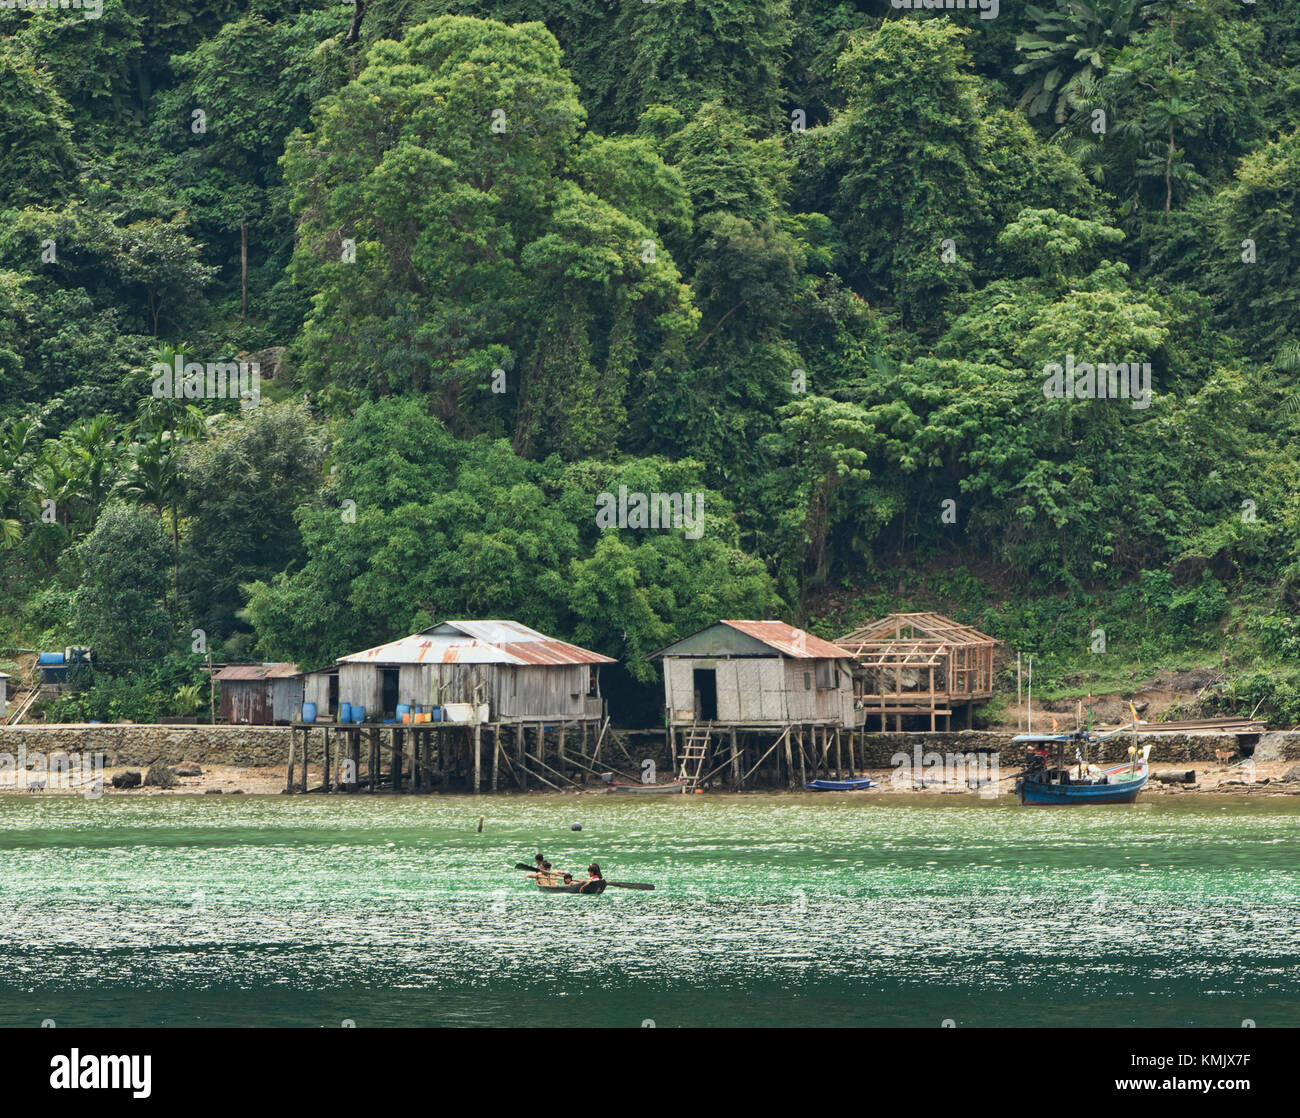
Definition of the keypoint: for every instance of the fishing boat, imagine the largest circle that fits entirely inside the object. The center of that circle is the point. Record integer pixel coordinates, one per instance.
(857, 784)
(1082, 783)
(673, 786)
(586, 888)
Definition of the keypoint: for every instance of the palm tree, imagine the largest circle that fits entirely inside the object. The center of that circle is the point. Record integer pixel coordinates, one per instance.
(1069, 45)
(153, 478)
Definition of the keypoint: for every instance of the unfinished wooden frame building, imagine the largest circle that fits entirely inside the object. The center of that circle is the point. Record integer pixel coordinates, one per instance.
(917, 665)
(492, 682)
(744, 694)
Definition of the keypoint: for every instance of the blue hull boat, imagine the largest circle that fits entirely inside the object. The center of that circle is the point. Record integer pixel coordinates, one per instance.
(1084, 784)
(858, 784)
(1119, 792)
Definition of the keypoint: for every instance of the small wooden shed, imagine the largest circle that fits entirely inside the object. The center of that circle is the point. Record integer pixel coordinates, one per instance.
(756, 674)
(918, 665)
(260, 694)
(504, 670)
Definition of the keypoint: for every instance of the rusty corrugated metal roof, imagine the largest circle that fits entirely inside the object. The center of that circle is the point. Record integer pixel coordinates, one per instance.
(256, 671)
(478, 642)
(788, 640)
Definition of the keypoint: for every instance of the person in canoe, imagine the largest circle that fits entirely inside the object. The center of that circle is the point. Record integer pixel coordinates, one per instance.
(545, 875)
(593, 876)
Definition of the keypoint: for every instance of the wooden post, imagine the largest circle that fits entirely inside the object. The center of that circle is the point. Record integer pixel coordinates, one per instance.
(372, 765)
(496, 754)
(789, 756)
(839, 757)
(397, 759)
(1020, 708)
(478, 758)
(306, 737)
(521, 746)
(853, 763)
(354, 757)
(325, 784)
(560, 764)
(293, 742)
(735, 762)
(416, 783)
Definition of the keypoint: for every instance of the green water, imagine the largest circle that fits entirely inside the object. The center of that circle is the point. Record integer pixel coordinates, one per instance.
(769, 910)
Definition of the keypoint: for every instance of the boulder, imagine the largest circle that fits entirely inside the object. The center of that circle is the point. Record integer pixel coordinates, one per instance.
(126, 780)
(160, 776)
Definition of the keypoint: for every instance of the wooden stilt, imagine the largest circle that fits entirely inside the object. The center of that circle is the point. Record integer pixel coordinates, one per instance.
(372, 765)
(839, 758)
(398, 759)
(521, 746)
(293, 743)
(416, 739)
(354, 759)
(306, 737)
(561, 765)
(496, 754)
(789, 759)
(735, 762)
(478, 758)
(325, 757)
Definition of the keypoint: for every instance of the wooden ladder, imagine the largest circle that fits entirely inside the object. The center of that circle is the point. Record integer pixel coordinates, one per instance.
(694, 751)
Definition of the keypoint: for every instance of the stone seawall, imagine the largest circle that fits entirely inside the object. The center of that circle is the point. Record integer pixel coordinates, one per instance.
(141, 745)
(269, 745)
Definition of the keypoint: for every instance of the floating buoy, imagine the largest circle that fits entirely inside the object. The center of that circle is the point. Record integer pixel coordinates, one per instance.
(575, 826)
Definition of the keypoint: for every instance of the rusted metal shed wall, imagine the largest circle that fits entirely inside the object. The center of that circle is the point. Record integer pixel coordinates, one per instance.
(246, 702)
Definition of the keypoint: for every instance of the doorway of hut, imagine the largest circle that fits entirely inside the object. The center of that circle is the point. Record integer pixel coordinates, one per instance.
(333, 696)
(706, 694)
(388, 692)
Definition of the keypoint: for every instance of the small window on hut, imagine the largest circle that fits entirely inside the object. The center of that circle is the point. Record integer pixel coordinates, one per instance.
(827, 675)
(807, 681)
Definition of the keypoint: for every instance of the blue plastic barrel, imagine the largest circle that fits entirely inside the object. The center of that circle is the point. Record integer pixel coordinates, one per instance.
(309, 712)
(345, 712)
(402, 708)
(437, 714)
(358, 714)
(51, 658)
